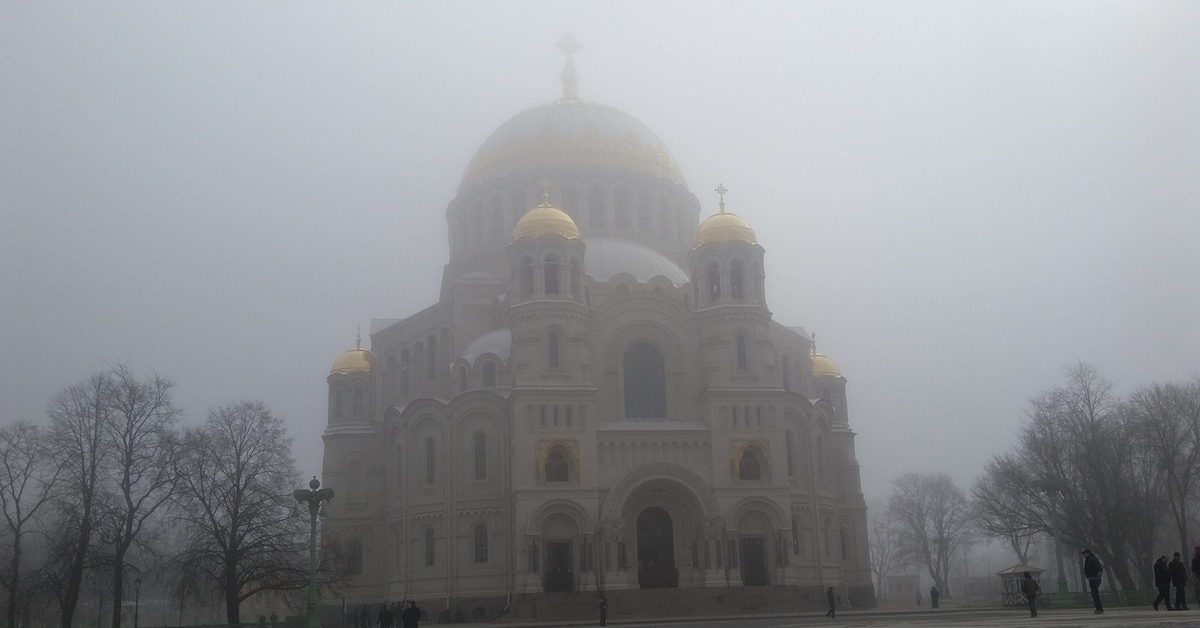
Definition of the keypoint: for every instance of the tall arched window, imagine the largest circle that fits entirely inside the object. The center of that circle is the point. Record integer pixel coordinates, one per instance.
(550, 267)
(480, 456)
(354, 557)
(791, 456)
(749, 468)
(741, 351)
(596, 206)
(576, 278)
(357, 405)
(481, 543)
(489, 374)
(431, 360)
(526, 272)
(430, 461)
(390, 379)
(430, 550)
(785, 366)
(552, 353)
(558, 465)
(337, 402)
(737, 279)
(821, 461)
(399, 466)
(645, 379)
(462, 379)
(404, 364)
(714, 282)
(795, 535)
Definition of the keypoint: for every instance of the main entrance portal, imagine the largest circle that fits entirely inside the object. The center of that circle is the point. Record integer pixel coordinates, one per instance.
(656, 550)
(558, 567)
(754, 561)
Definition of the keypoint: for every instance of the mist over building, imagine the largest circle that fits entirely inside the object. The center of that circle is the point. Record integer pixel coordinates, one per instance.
(600, 399)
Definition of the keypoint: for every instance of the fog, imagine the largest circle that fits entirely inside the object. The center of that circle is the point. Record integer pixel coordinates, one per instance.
(958, 198)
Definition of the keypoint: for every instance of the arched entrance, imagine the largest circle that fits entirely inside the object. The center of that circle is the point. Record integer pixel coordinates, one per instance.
(754, 529)
(559, 532)
(656, 549)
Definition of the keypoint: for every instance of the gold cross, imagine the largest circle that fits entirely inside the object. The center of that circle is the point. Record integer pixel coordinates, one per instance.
(721, 190)
(568, 44)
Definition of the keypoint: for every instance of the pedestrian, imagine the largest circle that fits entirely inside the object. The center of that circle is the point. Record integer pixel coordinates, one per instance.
(364, 617)
(1094, 572)
(1030, 588)
(918, 597)
(603, 611)
(274, 620)
(385, 616)
(832, 604)
(1162, 582)
(1196, 574)
(1179, 581)
(933, 597)
(411, 615)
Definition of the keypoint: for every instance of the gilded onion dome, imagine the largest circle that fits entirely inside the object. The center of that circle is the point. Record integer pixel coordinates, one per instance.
(724, 226)
(822, 365)
(356, 360)
(545, 219)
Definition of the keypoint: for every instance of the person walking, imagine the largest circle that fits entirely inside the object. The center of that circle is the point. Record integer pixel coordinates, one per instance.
(603, 611)
(1094, 572)
(1030, 588)
(933, 597)
(1179, 580)
(1196, 574)
(832, 603)
(1162, 582)
(385, 616)
(411, 615)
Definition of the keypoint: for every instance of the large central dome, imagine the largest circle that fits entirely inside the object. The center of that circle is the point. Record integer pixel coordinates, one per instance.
(571, 132)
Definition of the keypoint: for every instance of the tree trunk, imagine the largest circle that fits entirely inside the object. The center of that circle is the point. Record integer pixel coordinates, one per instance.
(75, 572)
(13, 582)
(118, 588)
(233, 600)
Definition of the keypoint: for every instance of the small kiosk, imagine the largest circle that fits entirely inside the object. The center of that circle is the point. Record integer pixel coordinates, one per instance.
(1010, 584)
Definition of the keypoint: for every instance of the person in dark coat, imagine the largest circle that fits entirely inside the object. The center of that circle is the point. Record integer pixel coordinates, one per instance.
(1196, 573)
(385, 616)
(832, 604)
(1162, 582)
(1179, 581)
(1094, 572)
(933, 597)
(411, 615)
(1030, 589)
(603, 611)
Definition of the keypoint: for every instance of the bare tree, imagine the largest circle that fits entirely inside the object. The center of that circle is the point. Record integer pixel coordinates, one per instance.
(881, 531)
(236, 506)
(1168, 418)
(78, 417)
(27, 482)
(141, 439)
(933, 518)
(1004, 502)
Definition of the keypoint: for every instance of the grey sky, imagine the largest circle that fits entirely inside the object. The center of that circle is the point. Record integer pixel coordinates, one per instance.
(959, 198)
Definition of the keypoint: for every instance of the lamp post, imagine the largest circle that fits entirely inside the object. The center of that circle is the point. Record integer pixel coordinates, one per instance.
(314, 498)
(1052, 485)
(137, 599)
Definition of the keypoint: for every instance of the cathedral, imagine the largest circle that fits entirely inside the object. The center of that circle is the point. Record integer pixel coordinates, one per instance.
(600, 400)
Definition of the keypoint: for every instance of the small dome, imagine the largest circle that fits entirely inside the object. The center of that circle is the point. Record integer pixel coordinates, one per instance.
(356, 360)
(545, 219)
(822, 366)
(724, 227)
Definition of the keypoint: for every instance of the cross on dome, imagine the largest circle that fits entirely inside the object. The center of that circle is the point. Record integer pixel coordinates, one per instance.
(721, 190)
(569, 45)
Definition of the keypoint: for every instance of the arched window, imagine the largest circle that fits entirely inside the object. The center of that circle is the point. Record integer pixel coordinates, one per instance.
(621, 209)
(526, 272)
(845, 543)
(645, 380)
(791, 462)
(404, 364)
(749, 468)
(821, 461)
(462, 379)
(759, 284)
(391, 379)
(431, 359)
(399, 466)
(550, 267)
(354, 557)
(430, 461)
(785, 365)
(357, 406)
(795, 535)
(644, 213)
(596, 206)
(741, 351)
(489, 374)
(552, 349)
(558, 465)
(480, 456)
(337, 402)
(714, 282)
(481, 543)
(430, 550)
(576, 278)
(737, 280)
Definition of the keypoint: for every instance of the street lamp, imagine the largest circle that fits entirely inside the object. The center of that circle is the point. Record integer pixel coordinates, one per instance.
(137, 599)
(314, 498)
(1053, 484)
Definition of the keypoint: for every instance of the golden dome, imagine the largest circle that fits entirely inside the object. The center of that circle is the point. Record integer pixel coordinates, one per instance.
(724, 227)
(545, 219)
(822, 366)
(356, 360)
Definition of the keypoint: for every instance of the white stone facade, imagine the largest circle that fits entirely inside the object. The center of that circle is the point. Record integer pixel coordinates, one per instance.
(613, 411)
